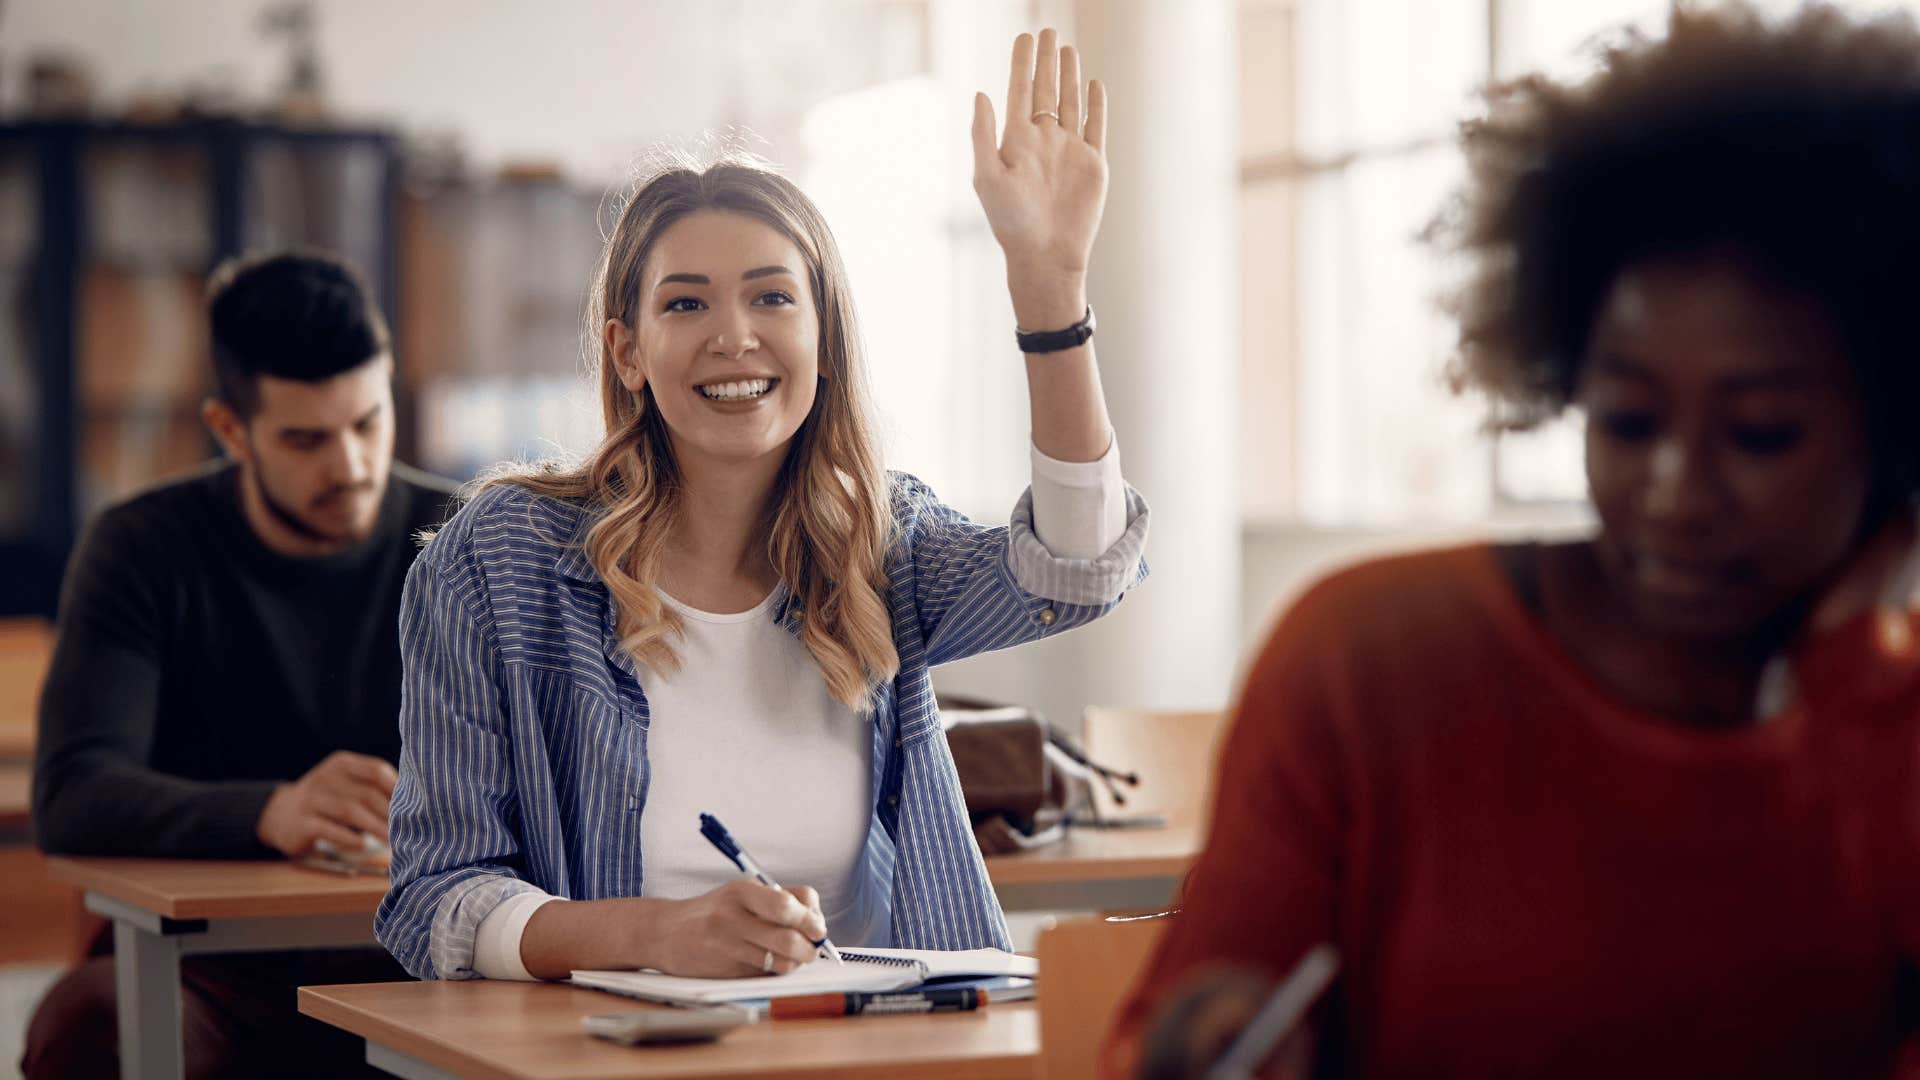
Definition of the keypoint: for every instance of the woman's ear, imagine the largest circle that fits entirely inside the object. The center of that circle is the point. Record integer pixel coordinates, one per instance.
(623, 345)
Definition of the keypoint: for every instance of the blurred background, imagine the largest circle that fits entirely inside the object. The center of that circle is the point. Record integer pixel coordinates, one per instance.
(1267, 334)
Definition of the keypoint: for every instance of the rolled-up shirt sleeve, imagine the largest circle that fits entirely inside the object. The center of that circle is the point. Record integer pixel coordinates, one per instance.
(496, 944)
(975, 588)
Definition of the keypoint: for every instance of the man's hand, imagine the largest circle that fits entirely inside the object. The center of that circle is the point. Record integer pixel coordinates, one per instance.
(339, 800)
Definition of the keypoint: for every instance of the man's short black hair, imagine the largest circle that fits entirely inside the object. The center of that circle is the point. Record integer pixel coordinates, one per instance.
(301, 315)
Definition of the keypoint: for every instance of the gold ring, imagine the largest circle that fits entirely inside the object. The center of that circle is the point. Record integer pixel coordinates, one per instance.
(1035, 118)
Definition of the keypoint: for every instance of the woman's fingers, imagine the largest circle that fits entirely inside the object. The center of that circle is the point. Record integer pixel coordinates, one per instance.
(1070, 89)
(774, 921)
(1097, 115)
(986, 156)
(789, 949)
(1020, 87)
(781, 909)
(806, 895)
(1046, 79)
(816, 917)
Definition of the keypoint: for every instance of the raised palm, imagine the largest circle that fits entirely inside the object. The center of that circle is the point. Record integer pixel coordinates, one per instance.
(1044, 186)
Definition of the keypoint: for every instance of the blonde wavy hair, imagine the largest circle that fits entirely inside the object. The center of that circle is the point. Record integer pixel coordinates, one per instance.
(828, 524)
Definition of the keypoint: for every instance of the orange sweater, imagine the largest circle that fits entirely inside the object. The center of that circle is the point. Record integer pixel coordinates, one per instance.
(1525, 877)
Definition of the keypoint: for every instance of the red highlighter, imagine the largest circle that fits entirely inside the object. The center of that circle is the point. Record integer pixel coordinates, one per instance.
(815, 1006)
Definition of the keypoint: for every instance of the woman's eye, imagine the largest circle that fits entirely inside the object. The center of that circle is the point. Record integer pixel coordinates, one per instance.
(1766, 439)
(684, 303)
(772, 297)
(1628, 426)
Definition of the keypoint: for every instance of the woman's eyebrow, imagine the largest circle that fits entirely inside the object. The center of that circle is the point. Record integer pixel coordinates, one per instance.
(1622, 366)
(1784, 377)
(702, 279)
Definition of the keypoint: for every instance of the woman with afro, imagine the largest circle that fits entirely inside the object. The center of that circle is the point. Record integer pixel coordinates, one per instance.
(1646, 803)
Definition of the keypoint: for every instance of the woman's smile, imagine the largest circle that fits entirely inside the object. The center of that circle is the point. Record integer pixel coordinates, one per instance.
(737, 391)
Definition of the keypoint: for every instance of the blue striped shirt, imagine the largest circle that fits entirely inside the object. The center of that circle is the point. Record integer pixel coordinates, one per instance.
(523, 723)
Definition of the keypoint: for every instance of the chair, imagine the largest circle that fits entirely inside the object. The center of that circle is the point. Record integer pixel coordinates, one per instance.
(1173, 752)
(1087, 965)
(47, 924)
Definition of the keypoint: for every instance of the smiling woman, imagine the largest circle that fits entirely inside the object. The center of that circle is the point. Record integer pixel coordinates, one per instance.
(730, 608)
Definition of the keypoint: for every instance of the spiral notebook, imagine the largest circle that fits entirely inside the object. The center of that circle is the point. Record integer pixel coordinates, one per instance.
(870, 970)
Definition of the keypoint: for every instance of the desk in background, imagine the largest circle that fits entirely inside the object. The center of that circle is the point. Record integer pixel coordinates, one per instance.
(1098, 870)
(163, 909)
(531, 1031)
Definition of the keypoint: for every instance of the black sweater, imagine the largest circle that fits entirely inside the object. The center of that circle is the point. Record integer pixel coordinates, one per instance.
(196, 669)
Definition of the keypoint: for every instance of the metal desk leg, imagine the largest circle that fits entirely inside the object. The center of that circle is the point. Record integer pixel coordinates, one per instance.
(387, 1059)
(146, 976)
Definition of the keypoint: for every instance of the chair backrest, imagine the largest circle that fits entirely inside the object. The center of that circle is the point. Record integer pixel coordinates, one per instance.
(26, 648)
(1087, 966)
(1172, 751)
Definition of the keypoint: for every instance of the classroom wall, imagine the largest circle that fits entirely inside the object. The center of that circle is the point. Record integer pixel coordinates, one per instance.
(514, 81)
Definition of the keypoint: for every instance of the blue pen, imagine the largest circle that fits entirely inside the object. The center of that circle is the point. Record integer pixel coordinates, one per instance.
(718, 835)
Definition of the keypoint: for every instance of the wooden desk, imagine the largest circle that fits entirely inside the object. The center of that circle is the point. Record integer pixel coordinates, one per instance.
(16, 802)
(531, 1031)
(16, 739)
(163, 909)
(1098, 870)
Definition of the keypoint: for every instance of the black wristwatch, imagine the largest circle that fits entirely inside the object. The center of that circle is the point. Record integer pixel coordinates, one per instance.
(1046, 341)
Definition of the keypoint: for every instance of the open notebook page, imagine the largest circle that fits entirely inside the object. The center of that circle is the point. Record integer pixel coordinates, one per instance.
(871, 970)
(874, 975)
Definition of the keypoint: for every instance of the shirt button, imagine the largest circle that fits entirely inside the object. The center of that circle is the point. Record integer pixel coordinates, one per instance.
(1047, 616)
(896, 742)
(633, 802)
(893, 800)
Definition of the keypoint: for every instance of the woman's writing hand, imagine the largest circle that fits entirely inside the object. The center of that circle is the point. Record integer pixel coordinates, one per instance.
(740, 928)
(1044, 186)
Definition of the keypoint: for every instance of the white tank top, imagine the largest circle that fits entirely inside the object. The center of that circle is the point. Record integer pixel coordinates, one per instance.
(747, 731)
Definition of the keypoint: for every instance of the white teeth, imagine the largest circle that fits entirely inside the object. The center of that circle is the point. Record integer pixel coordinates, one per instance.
(736, 391)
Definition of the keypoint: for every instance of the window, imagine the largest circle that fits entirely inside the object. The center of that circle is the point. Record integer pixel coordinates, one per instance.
(1349, 112)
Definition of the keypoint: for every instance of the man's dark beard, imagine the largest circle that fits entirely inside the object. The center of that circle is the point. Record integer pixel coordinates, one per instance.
(288, 518)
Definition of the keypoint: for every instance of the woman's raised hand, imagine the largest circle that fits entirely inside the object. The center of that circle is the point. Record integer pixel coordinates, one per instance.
(1044, 186)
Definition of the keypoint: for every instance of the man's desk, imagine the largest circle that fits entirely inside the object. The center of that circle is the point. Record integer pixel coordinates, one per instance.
(16, 804)
(163, 909)
(531, 1031)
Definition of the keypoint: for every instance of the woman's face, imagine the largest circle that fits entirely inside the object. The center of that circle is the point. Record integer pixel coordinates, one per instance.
(1726, 446)
(727, 335)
